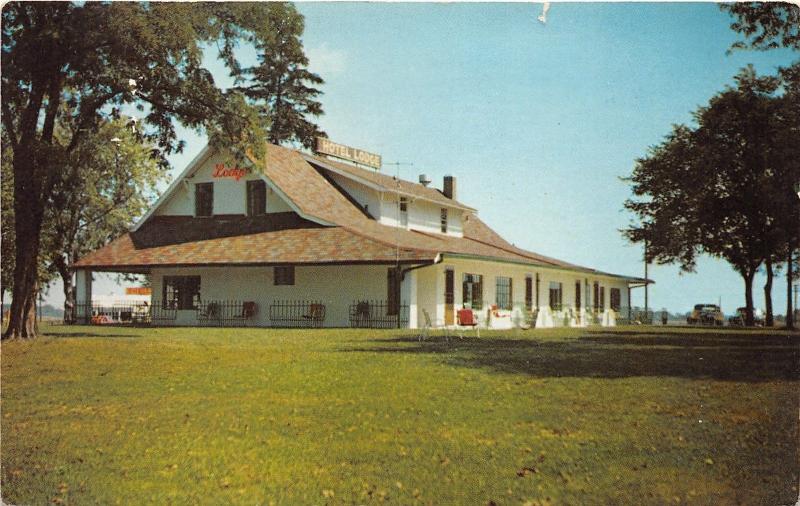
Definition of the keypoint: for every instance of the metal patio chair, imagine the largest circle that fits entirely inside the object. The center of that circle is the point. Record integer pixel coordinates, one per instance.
(428, 326)
(315, 314)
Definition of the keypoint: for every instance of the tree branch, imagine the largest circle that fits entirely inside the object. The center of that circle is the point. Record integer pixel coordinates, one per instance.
(85, 116)
(30, 116)
(53, 101)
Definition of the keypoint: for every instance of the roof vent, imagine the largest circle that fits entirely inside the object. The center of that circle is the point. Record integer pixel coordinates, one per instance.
(424, 180)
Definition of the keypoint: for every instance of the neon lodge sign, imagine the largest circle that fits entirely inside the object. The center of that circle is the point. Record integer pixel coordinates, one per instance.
(235, 172)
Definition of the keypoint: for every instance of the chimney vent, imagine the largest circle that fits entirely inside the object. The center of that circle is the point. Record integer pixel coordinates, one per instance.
(424, 180)
(449, 187)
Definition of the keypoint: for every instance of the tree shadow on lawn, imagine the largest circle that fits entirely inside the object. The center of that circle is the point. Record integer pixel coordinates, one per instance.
(600, 354)
(712, 339)
(79, 335)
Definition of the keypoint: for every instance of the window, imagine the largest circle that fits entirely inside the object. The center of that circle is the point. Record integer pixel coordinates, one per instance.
(256, 198)
(180, 292)
(449, 286)
(204, 199)
(528, 293)
(599, 297)
(284, 274)
(392, 292)
(403, 212)
(444, 220)
(616, 300)
(577, 295)
(503, 294)
(555, 296)
(472, 291)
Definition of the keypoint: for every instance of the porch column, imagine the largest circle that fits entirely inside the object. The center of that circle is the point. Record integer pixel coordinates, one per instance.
(629, 304)
(409, 293)
(83, 295)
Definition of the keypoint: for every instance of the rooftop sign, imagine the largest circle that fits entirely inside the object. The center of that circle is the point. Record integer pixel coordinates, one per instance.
(327, 147)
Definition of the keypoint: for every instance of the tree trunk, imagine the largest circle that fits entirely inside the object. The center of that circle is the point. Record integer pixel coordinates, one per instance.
(28, 214)
(789, 307)
(769, 321)
(748, 297)
(69, 291)
(69, 295)
(22, 314)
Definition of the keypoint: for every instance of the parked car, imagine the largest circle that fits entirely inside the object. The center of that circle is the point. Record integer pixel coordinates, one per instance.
(740, 317)
(706, 314)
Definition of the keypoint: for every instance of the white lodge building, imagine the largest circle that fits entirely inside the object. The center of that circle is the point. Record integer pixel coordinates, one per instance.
(303, 240)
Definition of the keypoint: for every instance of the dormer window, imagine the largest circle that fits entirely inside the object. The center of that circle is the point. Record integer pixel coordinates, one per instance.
(256, 198)
(403, 211)
(444, 220)
(204, 199)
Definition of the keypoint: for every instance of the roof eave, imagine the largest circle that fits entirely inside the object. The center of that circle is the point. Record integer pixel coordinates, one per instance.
(146, 268)
(532, 263)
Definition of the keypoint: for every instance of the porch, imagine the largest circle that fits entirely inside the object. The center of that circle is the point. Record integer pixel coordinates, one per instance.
(286, 296)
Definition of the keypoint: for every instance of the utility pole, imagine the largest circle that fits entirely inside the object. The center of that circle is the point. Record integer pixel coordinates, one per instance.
(646, 284)
(398, 278)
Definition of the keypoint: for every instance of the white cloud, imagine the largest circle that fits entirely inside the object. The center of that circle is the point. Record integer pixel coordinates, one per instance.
(326, 61)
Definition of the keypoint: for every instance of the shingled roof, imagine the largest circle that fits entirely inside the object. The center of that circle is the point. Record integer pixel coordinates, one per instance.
(385, 182)
(329, 229)
(307, 245)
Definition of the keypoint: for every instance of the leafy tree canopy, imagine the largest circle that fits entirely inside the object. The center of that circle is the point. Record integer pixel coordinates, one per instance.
(723, 187)
(108, 181)
(765, 25)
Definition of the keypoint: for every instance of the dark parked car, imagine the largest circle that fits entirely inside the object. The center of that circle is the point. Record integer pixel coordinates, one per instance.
(740, 317)
(706, 314)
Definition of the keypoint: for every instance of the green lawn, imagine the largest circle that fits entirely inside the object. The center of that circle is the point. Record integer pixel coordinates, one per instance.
(252, 416)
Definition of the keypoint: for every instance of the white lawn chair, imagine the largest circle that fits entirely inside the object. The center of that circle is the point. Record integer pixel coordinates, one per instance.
(428, 325)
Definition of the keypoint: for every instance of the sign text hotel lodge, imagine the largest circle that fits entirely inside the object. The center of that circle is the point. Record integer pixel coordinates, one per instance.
(302, 239)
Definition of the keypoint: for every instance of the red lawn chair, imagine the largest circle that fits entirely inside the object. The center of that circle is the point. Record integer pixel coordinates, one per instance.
(466, 318)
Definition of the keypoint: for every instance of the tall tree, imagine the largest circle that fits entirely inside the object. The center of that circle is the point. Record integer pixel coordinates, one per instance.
(106, 183)
(765, 26)
(711, 189)
(44, 275)
(283, 87)
(95, 57)
(7, 226)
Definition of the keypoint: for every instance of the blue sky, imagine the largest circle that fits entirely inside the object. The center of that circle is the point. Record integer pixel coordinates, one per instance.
(537, 121)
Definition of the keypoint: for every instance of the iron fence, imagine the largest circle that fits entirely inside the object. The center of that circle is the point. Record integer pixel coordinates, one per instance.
(296, 313)
(162, 315)
(226, 313)
(378, 314)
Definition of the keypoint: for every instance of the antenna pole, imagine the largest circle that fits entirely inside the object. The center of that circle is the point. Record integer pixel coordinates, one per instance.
(398, 278)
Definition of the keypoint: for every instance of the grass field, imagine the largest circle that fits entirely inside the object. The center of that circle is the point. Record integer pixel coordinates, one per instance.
(249, 416)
